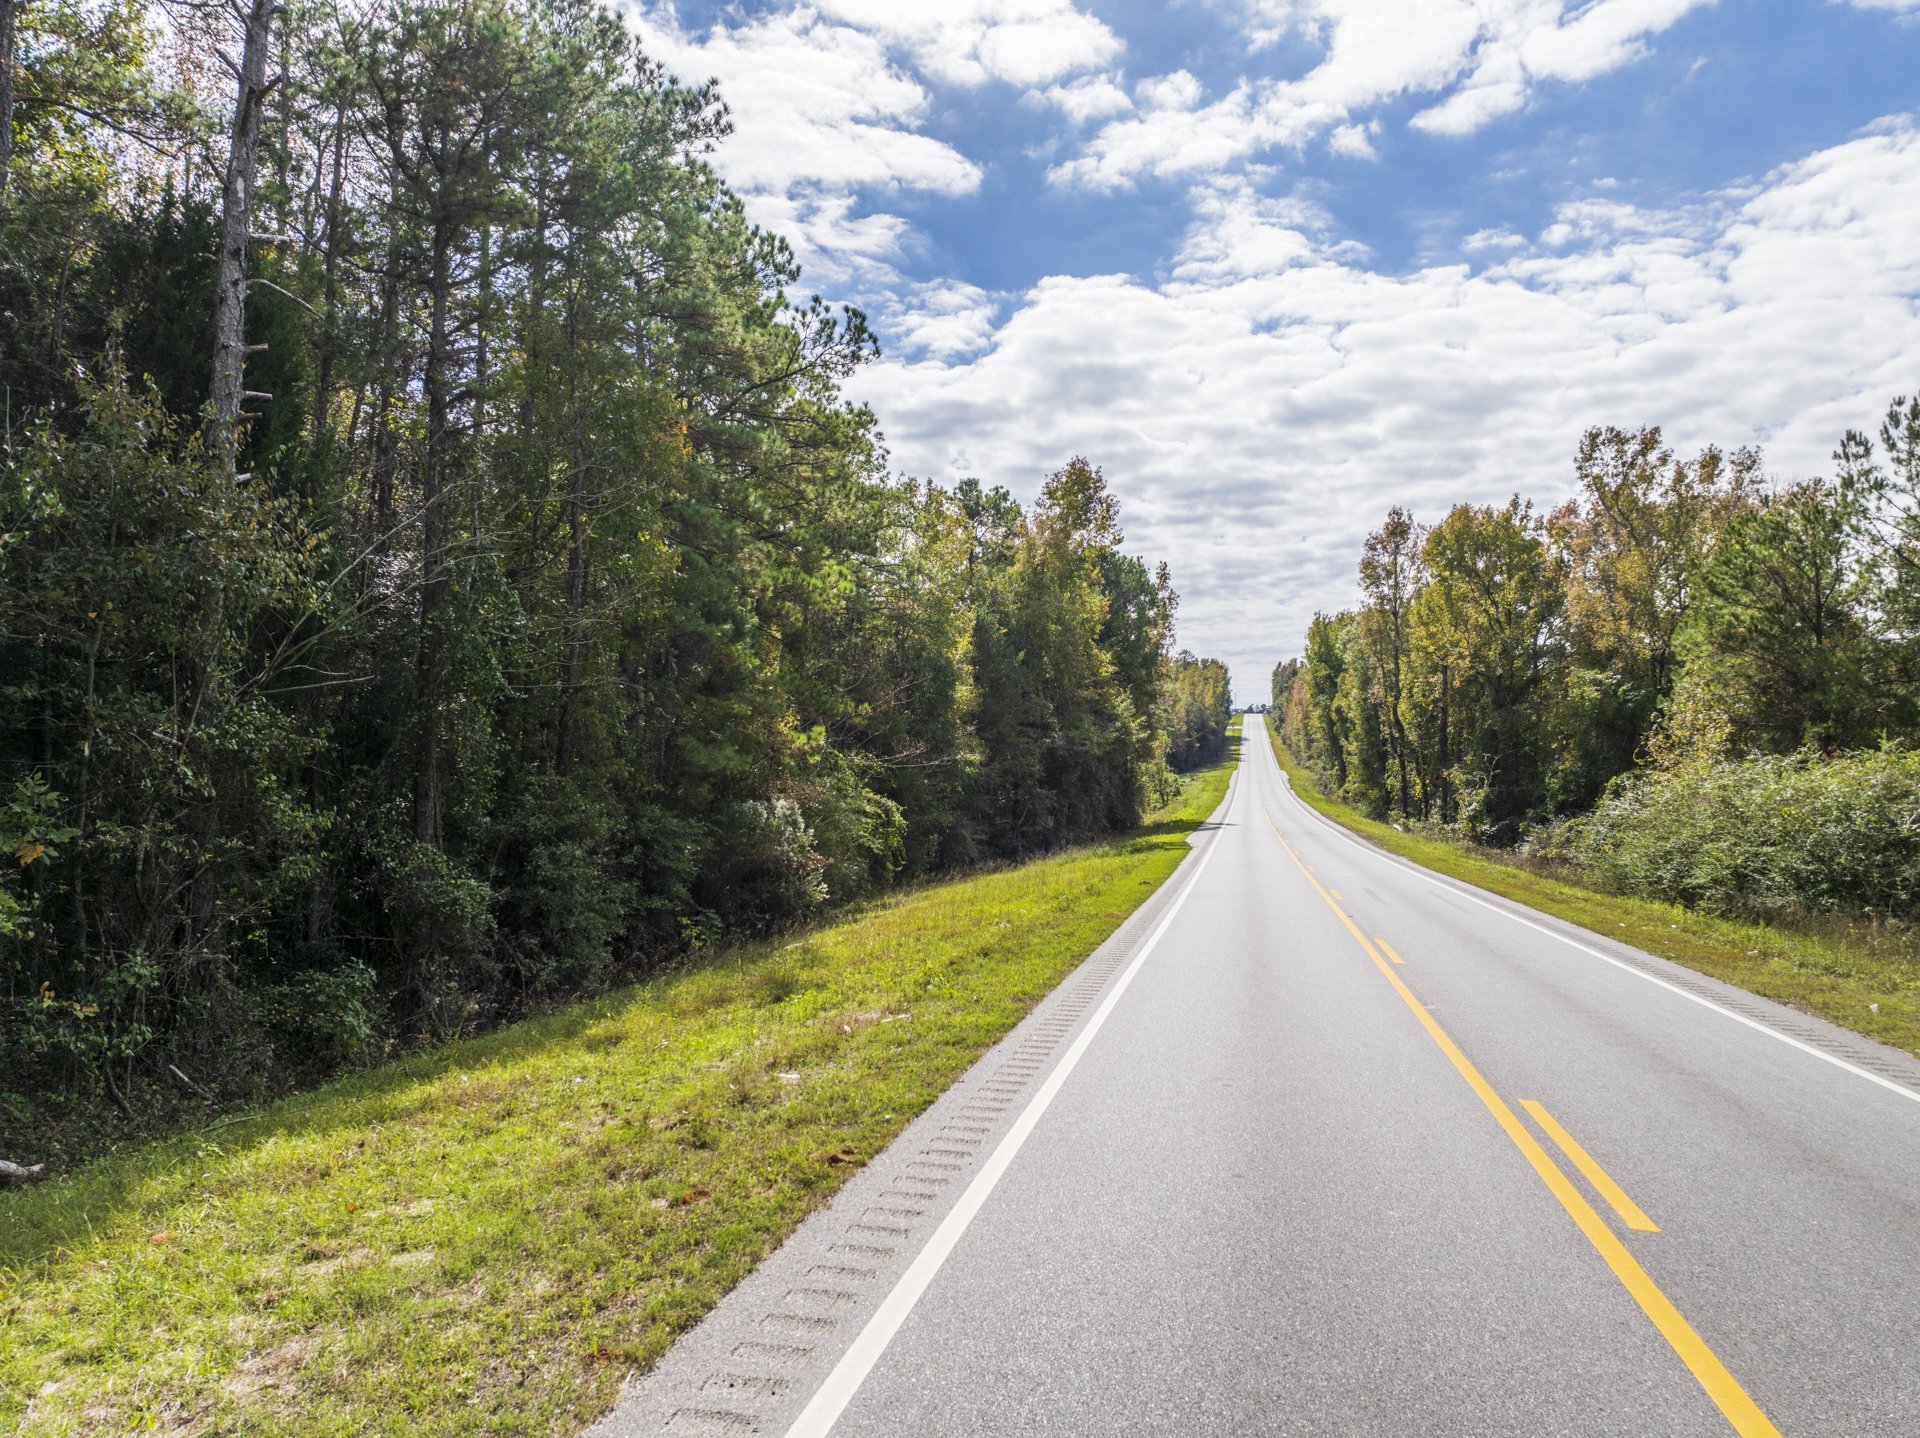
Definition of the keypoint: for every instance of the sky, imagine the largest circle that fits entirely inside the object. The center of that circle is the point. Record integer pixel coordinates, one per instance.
(1278, 265)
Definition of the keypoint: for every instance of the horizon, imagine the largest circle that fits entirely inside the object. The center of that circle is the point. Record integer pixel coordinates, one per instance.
(1275, 267)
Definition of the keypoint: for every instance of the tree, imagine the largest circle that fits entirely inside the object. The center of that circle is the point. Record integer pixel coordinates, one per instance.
(228, 392)
(1391, 573)
(1488, 630)
(1199, 706)
(532, 607)
(1783, 636)
(1885, 507)
(1632, 554)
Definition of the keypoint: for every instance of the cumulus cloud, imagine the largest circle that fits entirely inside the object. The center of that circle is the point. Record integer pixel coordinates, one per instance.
(941, 320)
(1492, 239)
(1092, 97)
(829, 99)
(1481, 58)
(1261, 404)
(813, 104)
(1354, 141)
(968, 42)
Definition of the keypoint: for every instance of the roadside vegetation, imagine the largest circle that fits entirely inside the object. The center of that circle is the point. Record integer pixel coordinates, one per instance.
(1857, 973)
(490, 1236)
(1691, 685)
(1506, 671)
(533, 610)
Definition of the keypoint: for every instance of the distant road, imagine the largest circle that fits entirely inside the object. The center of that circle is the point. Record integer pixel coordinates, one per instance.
(1323, 1144)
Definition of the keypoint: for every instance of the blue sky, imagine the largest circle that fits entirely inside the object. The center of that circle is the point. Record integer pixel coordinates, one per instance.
(1279, 264)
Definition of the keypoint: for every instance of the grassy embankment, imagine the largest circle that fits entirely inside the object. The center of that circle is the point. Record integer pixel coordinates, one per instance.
(1841, 976)
(488, 1237)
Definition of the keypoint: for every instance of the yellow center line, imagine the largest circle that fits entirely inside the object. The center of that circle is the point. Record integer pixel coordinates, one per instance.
(1712, 1375)
(1387, 949)
(1628, 1210)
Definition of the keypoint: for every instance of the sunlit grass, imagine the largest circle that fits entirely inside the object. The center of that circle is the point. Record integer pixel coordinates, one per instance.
(1865, 981)
(487, 1238)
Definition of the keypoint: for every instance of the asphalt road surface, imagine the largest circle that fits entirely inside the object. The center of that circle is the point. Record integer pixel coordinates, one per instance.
(1323, 1144)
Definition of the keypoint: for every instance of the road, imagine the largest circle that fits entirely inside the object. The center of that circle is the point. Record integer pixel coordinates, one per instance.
(1323, 1144)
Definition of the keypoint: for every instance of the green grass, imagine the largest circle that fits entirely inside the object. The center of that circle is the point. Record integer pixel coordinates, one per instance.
(487, 1238)
(1864, 980)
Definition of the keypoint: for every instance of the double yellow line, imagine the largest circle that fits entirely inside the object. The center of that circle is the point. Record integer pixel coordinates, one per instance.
(1720, 1385)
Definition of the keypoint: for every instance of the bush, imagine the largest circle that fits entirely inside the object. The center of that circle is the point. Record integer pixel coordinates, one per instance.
(1765, 835)
(765, 870)
(326, 1016)
(859, 834)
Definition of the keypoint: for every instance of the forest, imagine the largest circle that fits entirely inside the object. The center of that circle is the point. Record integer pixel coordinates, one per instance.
(1692, 681)
(440, 573)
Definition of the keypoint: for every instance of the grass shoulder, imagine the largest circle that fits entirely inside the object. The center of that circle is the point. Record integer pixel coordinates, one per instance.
(488, 1237)
(1864, 981)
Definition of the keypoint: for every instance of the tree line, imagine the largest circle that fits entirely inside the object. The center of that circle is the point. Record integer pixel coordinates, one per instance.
(1625, 654)
(439, 570)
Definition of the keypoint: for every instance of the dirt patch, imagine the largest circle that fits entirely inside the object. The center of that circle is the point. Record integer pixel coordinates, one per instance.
(277, 1369)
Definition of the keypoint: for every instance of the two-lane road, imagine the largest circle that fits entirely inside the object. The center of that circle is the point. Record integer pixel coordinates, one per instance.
(1342, 1148)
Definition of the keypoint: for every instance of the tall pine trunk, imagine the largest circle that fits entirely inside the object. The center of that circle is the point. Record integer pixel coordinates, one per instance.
(236, 225)
(435, 581)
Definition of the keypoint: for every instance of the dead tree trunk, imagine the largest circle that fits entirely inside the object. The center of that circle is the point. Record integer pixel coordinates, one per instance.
(12, 1173)
(236, 226)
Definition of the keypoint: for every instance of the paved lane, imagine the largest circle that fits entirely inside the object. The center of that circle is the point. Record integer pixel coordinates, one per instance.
(1356, 1151)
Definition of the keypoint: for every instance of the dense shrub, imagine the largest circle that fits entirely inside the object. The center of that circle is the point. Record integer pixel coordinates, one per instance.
(1765, 835)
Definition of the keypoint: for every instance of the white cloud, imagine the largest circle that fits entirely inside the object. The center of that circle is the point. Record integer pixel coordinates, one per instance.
(829, 98)
(1166, 139)
(1260, 406)
(1092, 97)
(1492, 239)
(1483, 58)
(944, 320)
(968, 42)
(1265, 23)
(1238, 233)
(1178, 91)
(813, 104)
(1354, 141)
(838, 246)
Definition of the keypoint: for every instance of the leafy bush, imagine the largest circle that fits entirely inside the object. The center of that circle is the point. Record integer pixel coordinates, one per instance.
(326, 1016)
(765, 870)
(1765, 835)
(860, 834)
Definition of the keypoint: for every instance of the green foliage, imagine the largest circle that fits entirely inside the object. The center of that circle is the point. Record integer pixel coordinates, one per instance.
(562, 615)
(1512, 666)
(1784, 633)
(1069, 644)
(1766, 835)
(1725, 668)
(508, 1225)
(1199, 704)
(30, 833)
(1860, 972)
(134, 587)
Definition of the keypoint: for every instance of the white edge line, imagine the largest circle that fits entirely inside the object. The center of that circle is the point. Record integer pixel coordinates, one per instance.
(830, 1400)
(1471, 897)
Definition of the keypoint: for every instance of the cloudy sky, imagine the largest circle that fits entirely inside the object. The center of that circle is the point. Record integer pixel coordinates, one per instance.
(1276, 265)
